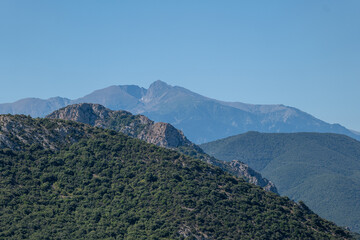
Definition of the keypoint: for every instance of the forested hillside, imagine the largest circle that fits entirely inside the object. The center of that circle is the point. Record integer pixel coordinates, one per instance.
(321, 169)
(105, 185)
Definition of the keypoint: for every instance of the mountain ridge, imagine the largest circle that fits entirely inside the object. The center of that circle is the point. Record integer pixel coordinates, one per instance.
(158, 133)
(202, 119)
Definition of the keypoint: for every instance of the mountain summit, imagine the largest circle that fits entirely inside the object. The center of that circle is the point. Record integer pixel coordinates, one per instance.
(201, 119)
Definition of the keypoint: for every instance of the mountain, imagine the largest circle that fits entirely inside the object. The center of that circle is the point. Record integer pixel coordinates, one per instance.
(115, 97)
(138, 126)
(19, 132)
(323, 170)
(202, 119)
(66, 180)
(159, 133)
(34, 106)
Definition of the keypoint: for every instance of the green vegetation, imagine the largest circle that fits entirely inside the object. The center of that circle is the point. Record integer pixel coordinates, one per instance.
(160, 134)
(106, 185)
(121, 119)
(321, 169)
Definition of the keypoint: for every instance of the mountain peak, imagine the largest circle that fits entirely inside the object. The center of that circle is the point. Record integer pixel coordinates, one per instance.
(159, 84)
(157, 90)
(84, 112)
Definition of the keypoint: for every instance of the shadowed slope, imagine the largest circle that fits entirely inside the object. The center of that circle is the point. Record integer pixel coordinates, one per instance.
(321, 169)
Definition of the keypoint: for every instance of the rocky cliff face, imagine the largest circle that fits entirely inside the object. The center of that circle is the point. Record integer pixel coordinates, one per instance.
(252, 176)
(138, 126)
(158, 133)
(164, 134)
(242, 170)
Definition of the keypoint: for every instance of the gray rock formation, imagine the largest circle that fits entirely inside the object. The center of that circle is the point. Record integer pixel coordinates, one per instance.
(158, 133)
(19, 131)
(137, 126)
(252, 176)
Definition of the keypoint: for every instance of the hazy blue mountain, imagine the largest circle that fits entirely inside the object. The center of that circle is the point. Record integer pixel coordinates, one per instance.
(34, 106)
(321, 169)
(201, 119)
(115, 97)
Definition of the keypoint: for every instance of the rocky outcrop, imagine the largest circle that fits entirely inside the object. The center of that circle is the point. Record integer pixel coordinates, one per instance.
(19, 131)
(92, 114)
(242, 170)
(163, 134)
(138, 126)
(158, 133)
(252, 176)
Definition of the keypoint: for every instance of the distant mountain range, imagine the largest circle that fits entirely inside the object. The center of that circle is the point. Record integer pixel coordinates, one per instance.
(321, 169)
(202, 119)
(158, 133)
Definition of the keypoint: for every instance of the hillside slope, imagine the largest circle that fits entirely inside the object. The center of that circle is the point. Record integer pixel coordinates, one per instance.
(202, 119)
(160, 134)
(323, 170)
(106, 185)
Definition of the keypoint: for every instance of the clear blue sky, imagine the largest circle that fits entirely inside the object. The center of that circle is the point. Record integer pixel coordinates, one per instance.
(301, 53)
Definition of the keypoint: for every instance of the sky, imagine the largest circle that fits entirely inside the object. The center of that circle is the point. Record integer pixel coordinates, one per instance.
(300, 53)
